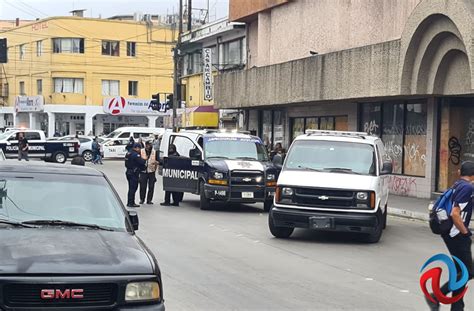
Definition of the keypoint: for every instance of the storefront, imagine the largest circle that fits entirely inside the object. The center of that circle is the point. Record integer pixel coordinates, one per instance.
(456, 138)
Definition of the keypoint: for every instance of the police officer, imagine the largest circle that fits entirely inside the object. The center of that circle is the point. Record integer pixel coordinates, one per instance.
(134, 164)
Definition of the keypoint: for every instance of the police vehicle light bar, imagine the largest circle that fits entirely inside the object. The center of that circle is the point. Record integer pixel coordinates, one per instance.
(337, 133)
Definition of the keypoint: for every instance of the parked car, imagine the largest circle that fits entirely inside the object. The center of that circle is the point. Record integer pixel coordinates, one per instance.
(85, 148)
(39, 147)
(68, 243)
(333, 181)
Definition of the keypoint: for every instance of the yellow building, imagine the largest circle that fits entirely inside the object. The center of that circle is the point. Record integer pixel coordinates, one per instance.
(74, 74)
(225, 42)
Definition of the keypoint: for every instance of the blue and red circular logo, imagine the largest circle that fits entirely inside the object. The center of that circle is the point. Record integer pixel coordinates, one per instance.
(434, 274)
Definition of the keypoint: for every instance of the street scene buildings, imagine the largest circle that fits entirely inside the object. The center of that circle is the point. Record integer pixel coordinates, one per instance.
(63, 72)
(401, 70)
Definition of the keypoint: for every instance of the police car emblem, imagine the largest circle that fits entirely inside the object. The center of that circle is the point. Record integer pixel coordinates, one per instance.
(323, 198)
(245, 164)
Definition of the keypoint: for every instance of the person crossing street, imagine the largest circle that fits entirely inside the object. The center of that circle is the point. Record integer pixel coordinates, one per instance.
(148, 176)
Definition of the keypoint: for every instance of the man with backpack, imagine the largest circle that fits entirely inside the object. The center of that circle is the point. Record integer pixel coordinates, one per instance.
(458, 236)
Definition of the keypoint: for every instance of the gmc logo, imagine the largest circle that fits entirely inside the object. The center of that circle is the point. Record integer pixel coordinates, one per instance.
(62, 294)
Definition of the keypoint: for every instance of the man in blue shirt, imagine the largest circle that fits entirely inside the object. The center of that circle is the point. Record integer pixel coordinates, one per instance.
(458, 240)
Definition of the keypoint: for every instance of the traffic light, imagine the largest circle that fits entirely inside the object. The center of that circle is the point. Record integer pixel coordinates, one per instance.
(155, 102)
(169, 101)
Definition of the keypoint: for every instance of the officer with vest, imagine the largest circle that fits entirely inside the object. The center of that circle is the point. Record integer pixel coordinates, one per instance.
(134, 164)
(148, 176)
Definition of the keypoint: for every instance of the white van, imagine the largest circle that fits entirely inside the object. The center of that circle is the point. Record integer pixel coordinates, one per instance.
(333, 181)
(135, 132)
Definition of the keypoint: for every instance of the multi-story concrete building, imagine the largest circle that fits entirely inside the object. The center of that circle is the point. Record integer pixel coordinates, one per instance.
(403, 70)
(74, 74)
(227, 45)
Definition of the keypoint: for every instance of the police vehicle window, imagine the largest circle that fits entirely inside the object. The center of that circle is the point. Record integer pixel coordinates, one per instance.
(183, 145)
(32, 136)
(125, 135)
(331, 156)
(84, 140)
(74, 198)
(235, 148)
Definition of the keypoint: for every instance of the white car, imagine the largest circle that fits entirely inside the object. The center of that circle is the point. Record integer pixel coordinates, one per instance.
(333, 181)
(85, 148)
(114, 148)
(135, 132)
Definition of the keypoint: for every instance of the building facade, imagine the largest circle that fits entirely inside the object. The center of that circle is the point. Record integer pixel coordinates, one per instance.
(225, 45)
(82, 75)
(402, 70)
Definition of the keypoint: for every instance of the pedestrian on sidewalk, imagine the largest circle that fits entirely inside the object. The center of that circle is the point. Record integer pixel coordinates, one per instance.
(22, 147)
(458, 240)
(148, 176)
(134, 164)
(177, 196)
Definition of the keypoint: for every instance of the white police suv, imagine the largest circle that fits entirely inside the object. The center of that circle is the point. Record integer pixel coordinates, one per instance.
(219, 166)
(333, 181)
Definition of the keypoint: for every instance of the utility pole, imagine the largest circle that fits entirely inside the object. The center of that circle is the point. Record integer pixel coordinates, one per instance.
(177, 68)
(190, 15)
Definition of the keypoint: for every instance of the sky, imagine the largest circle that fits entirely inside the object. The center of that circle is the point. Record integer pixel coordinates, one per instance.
(31, 9)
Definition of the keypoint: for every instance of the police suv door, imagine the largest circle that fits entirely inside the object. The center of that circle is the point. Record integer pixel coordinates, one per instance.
(36, 147)
(181, 173)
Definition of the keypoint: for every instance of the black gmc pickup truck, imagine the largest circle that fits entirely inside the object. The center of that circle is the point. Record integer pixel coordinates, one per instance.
(67, 243)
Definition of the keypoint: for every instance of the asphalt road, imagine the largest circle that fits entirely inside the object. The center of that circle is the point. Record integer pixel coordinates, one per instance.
(227, 259)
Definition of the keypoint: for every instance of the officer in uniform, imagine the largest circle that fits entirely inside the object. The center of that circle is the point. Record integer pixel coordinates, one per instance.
(134, 164)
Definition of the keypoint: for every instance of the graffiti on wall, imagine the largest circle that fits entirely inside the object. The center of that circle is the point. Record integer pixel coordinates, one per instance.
(454, 150)
(371, 127)
(402, 185)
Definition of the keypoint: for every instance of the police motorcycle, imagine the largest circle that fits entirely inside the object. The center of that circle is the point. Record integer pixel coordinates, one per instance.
(219, 166)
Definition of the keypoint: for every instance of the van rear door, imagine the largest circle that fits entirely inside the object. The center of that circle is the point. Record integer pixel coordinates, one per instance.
(181, 173)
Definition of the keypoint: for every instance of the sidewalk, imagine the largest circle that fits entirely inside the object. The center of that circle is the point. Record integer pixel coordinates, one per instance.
(412, 208)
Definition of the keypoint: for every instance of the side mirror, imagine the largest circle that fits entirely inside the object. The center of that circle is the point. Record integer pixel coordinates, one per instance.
(133, 219)
(195, 154)
(387, 168)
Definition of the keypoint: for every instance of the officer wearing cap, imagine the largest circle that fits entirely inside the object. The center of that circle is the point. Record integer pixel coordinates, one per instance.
(134, 164)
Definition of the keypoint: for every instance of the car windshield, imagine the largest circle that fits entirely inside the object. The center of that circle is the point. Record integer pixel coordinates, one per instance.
(113, 134)
(71, 198)
(331, 156)
(5, 135)
(235, 149)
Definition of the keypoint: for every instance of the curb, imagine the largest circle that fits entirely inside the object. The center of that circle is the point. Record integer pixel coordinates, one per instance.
(398, 212)
(392, 211)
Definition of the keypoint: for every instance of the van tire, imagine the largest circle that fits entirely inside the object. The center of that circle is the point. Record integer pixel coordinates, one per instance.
(279, 232)
(59, 157)
(204, 203)
(375, 236)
